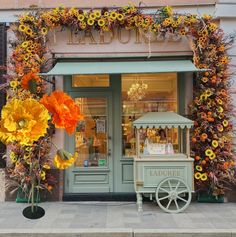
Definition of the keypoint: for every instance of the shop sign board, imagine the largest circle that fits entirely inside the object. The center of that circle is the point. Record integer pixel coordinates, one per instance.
(116, 43)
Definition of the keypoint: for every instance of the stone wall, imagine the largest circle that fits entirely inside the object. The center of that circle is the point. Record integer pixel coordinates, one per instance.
(2, 185)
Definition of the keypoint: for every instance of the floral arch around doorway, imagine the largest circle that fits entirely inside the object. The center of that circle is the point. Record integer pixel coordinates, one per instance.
(212, 134)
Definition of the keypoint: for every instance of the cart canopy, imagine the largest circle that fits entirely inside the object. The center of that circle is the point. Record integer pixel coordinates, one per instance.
(162, 120)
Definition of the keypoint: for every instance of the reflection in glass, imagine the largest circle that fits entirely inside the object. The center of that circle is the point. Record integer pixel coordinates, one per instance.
(91, 133)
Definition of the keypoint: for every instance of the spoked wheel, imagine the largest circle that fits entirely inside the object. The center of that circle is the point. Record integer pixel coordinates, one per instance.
(173, 195)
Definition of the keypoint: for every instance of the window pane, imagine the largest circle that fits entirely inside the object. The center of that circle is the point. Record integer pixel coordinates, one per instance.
(91, 133)
(90, 81)
(142, 93)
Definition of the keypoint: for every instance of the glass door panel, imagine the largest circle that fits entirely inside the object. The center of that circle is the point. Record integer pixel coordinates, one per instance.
(91, 137)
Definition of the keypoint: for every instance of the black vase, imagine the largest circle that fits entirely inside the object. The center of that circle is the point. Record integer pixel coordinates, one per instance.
(37, 212)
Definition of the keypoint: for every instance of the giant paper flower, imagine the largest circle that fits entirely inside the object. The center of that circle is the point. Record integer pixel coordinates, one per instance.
(64, 110)
(23, 121)
(29, 79)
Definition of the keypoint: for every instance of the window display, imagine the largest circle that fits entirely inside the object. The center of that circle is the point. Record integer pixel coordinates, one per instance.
(142, 93)
(157, 141)
(91, 134)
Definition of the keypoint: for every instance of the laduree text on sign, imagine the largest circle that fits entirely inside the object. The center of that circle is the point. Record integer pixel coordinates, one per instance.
(164, 172)
(118, 42)
(121, 35)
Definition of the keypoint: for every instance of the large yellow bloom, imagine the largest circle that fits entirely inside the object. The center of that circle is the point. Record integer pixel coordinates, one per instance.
(23, 121)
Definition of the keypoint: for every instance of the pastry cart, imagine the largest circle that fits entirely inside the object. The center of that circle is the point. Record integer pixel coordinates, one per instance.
(163, 167)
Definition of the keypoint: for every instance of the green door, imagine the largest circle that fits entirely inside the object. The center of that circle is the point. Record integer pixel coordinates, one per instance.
(92, 143)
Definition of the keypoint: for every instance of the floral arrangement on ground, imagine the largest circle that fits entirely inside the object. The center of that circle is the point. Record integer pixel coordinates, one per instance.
(30, 112)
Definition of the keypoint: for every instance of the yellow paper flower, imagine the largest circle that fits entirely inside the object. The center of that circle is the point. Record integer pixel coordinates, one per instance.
(13, 157)
(212, 156)
(197, 175)
(80, 17)
(90, 21)
(25, 44)
(14, 84)
(63, 159)
(203, 177)
(120, 17)
(219, 101)
(220, 128)
(101, 22)
(225, 123)
(208, 93)
(23, 121)
(113, 15)
(212, 26)
(44, 31)
(97, 13)
(208, 152)
(106, 13)
(220, 109)
(92, 16)
(29, 31)
(215, 143)
(198, 168)
(22, 28)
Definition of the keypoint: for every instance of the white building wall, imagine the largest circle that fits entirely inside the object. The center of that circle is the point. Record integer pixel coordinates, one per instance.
(226, 12)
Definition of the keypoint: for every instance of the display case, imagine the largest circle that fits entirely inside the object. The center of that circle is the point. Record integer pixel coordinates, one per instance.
(163, 167)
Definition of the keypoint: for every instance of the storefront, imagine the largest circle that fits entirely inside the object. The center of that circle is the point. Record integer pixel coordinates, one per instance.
(111, 93)
(119, 71)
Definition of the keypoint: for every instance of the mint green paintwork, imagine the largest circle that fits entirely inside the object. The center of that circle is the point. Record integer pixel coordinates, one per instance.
(118, 177)
(73, 68)
(162, 120)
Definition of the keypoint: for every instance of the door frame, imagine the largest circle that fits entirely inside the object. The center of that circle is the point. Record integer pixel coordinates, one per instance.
(106, 184)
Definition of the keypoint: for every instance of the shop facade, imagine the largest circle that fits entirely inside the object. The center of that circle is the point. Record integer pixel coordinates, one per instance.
(100, 84)
(115, 78)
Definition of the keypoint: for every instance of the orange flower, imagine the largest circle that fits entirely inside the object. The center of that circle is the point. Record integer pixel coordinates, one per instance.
(194, 139)
(27, 78)
(204, 137)
(64, 110)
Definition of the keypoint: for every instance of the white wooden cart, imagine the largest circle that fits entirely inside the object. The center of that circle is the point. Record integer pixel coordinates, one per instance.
(168, 177)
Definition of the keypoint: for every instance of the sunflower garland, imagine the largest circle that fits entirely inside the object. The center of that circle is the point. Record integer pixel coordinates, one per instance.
(211, 140)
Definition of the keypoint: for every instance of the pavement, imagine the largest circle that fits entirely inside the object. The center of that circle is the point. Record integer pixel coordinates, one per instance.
(119, 219)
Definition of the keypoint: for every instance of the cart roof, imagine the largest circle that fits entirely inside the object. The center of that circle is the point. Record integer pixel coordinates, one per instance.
(162, 120)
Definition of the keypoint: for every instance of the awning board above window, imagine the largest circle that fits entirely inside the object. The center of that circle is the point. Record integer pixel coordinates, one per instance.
(75, 68)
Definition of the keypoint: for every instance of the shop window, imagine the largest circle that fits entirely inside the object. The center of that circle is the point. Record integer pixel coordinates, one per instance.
(90, 80)
(142, 93)
(91, 137)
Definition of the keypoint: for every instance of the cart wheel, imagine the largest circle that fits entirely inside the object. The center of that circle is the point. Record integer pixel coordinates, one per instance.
(173, 195)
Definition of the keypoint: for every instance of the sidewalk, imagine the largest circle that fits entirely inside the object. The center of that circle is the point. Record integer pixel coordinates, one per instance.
(119, 219)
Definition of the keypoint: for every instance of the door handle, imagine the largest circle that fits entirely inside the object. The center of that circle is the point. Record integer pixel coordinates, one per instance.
(109, 152)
